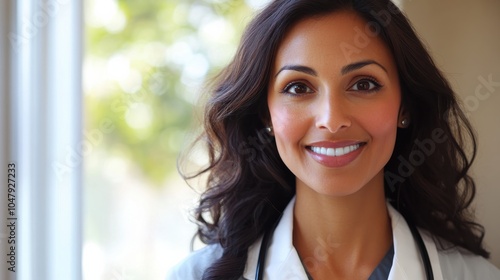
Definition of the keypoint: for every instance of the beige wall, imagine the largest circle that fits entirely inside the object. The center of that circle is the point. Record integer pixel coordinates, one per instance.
(464, 39)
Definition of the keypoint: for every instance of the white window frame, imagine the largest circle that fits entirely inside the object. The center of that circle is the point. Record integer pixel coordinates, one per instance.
(41, 45)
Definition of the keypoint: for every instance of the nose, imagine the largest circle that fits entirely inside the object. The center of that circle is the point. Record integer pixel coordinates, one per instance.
(333, 113)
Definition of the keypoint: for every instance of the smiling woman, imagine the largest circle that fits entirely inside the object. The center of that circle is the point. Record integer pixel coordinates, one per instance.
(327, 197)
(319, 100)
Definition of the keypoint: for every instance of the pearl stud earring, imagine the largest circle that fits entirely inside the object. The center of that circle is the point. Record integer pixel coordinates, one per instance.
(405, 123)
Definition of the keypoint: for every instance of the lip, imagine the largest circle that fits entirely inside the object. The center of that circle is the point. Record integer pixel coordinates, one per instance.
(336, 144)
(335, 161)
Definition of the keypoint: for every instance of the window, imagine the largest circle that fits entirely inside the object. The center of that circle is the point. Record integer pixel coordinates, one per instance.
(40, 62)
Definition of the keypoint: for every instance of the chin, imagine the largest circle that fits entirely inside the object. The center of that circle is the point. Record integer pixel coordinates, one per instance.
(337, 191)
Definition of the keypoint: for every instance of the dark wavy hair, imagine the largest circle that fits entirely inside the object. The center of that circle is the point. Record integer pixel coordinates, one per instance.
(248, 184)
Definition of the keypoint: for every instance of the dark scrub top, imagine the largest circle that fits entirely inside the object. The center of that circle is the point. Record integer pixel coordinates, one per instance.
(381, 272)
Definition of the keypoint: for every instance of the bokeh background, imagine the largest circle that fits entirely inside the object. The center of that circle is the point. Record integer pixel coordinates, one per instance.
(144, 67)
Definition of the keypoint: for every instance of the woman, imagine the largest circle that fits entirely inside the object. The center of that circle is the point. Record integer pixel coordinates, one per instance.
(330, 125)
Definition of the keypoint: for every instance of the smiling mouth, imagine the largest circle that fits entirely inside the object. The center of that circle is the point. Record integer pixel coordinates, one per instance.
(336, 152)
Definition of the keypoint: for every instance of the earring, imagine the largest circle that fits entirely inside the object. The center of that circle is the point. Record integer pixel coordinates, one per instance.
(405, 123)
(269, 129)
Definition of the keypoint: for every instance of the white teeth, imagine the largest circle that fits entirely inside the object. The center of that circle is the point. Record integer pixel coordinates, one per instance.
(335, 152)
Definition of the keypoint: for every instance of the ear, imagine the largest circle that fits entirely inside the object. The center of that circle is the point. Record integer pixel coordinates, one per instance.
(268, 125)
(403, 118)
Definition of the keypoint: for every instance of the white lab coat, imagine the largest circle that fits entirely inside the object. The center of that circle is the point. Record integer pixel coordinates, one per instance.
(283, 262)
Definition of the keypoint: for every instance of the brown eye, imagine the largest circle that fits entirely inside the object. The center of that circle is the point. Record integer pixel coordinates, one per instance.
(365, 85)
(297, 89)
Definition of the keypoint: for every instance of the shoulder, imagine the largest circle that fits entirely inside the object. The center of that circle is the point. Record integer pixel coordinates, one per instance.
(196, 263)
(457, 263)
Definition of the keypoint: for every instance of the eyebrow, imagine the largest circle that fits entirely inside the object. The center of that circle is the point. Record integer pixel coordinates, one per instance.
(358, 65)
(346, 69)
(298, 68)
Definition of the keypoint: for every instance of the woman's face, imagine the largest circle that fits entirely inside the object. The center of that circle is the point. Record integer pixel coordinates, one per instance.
(334, 102)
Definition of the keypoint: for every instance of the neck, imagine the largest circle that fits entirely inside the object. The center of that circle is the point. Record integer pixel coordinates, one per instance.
(343, 236)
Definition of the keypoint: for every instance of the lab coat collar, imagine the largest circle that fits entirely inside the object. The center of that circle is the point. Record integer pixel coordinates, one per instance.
(407, 263)
(283, 262)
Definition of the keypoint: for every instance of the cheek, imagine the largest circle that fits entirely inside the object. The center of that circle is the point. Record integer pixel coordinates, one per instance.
(289, 126)
(382, 126)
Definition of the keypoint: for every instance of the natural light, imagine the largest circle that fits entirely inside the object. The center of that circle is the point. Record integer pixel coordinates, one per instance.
(101, 100)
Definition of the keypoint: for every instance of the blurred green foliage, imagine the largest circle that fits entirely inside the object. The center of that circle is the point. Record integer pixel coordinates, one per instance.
(145, 64)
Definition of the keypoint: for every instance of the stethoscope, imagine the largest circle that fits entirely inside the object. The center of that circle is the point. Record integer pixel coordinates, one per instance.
(259, 271)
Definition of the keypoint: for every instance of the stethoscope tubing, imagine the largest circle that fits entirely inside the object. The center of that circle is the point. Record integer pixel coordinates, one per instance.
(259, 271)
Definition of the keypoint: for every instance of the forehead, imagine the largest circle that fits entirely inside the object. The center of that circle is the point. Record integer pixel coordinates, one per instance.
(333, 40)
